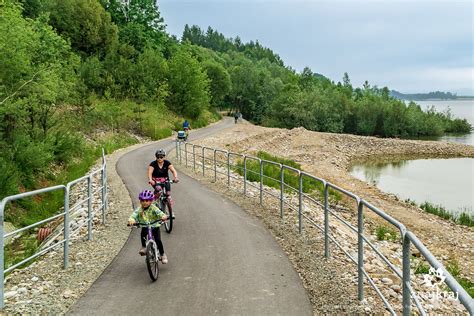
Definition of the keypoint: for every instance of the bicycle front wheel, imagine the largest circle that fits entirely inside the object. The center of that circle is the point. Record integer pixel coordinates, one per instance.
(166, 207)
(152, 261)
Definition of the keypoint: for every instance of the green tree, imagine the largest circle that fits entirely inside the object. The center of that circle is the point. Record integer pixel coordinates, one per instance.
(188, 84)
(37, 72)
(151, 74)
(37, 77)
(220, 83)
(140, 23)
(85, 24)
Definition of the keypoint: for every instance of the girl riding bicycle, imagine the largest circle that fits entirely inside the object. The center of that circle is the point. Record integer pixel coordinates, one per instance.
(149, 212)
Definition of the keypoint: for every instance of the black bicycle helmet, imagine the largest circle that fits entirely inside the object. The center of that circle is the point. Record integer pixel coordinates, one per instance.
(160, 152)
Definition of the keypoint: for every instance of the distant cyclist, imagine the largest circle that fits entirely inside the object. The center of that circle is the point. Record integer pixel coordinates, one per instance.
(186, 126)
(159, 169)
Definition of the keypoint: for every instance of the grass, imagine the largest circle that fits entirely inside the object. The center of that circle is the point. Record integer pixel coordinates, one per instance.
(463, 218)
(272, 175)
(422, 268)
(386, 233)
(20, 249)
(453, 268)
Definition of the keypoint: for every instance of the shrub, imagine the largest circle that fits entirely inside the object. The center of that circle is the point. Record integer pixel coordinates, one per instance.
(385, 233)
(422, 268)
(463, 218)
(272, 173)
(64, 145)
(8, 178)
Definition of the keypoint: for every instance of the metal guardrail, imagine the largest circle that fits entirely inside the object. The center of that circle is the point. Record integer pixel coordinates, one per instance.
(65, 214)
(407, 237)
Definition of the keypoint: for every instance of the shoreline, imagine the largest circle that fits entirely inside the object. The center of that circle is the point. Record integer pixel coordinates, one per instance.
(330, 156)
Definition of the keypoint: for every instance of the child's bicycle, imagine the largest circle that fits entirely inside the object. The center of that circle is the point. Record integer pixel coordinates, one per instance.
(153, 257)
(163, 200)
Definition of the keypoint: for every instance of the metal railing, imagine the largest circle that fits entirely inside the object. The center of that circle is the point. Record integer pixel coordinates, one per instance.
(222, 162)
(66, 214)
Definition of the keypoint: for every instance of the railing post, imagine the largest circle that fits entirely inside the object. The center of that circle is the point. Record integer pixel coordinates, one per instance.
(261, 182)
(203, 161)
(282, 189)
(360, 250)
(300, 202)
(2, 254)
(215, 166)
(228, 169)
(66, 228)
(406, 275)
(103, 196)
(194, 157)
(186, 154)
(89, 208)
(176, 148)
(245, 175)
(326, 220)
(104, 165)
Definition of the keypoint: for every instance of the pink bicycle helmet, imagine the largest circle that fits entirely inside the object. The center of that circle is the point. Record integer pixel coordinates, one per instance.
(146, 195)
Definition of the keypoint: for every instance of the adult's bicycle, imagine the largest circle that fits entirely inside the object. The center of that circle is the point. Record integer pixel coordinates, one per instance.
(153, 256)
(164, 201)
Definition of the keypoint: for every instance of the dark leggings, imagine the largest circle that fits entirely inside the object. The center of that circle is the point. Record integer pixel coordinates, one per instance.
(156, 235)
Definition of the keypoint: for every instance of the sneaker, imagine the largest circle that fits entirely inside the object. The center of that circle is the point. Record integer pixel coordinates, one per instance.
(173, 215)
(164, 259)
(142, 251)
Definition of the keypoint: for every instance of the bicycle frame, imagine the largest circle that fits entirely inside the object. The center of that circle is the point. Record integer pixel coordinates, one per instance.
(149, 238)
(162, 195)
(163, 200)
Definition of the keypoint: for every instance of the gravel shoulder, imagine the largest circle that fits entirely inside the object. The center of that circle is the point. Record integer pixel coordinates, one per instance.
(330, 156)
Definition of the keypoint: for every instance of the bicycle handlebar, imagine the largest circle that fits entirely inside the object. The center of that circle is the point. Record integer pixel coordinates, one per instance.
(138, 224)
(163, 182)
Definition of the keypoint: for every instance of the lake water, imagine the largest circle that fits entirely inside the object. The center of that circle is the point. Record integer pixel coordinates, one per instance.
(446, 182)
(463, 109)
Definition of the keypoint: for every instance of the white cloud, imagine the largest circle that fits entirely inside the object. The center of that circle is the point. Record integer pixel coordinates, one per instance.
(390, 43)
(413, 80)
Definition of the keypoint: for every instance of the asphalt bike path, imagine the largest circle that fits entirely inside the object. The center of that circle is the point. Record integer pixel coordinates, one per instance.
(221, 260)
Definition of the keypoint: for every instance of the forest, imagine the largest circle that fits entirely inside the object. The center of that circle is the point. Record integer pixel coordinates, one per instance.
(79, 75)
(436, 95)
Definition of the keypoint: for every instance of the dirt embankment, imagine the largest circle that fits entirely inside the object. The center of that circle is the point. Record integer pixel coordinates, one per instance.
(330, 156)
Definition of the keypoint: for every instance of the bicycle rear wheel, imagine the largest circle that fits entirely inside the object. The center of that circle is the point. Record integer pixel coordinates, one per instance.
(166, 207)
(152, 261)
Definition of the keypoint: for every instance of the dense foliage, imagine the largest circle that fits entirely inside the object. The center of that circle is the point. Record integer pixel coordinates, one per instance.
(104, 67)
(268, 93)
(438, 95)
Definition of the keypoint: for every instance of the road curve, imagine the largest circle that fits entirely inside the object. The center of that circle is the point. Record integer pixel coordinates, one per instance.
(221, 260)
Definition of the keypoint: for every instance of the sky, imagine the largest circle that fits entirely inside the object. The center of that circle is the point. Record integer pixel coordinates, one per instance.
(413, 46)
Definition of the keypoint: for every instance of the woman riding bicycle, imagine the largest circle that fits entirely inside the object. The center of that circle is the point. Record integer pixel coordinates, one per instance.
(159, 169)
(149, 212)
